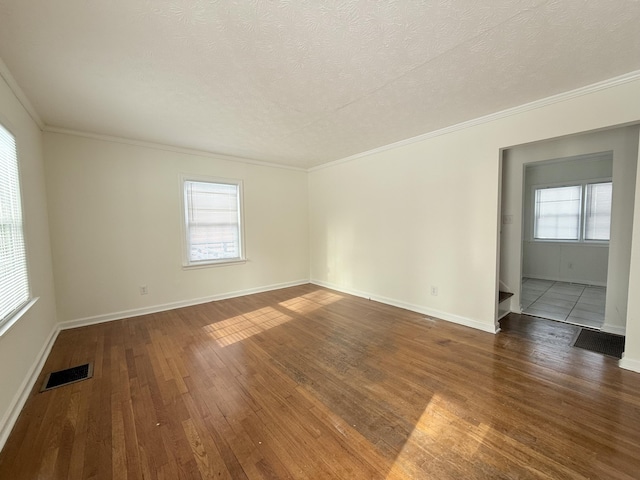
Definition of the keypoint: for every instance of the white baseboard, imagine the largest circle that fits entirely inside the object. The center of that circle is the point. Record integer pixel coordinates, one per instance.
(83, 322)
(10, 418)
(629, 364)
(615, 329)
(566, 280)
(467, 322)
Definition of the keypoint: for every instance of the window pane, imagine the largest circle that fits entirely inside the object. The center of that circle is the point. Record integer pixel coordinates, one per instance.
(14, 285)
(597, 222)
(213, 221)
(557, 213)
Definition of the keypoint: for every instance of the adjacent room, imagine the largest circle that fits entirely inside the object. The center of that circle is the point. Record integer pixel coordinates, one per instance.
(273, 239)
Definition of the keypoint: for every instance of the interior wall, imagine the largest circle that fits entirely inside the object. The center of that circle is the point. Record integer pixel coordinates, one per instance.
(582, 262)
(21, 345)
(116, 224)
(631, 356)
(622, 142)
(393, 224)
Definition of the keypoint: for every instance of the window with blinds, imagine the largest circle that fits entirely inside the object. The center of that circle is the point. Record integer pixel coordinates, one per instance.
(14, 283)
(573, 213)
(212, 221)
(558, 213)
(597, 215)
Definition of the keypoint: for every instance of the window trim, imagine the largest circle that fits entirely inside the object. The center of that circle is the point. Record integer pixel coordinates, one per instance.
(186, 262)
(583, 202)
(20, 310)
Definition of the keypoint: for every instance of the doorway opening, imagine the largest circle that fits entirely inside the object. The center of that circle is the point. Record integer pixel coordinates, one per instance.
(565, 243)
(580, 277)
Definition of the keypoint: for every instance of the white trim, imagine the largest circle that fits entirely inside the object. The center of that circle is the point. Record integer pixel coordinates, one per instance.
(11, 416)
(565, 280)
(168, 148)
(20, 95)
(136, 312)
(615, 329)
(449, 317)
(629, 364)
(187, 263)
(561, 97)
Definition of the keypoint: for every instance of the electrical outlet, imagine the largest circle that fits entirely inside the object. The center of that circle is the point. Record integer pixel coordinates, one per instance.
(143, 290)
(434, 291)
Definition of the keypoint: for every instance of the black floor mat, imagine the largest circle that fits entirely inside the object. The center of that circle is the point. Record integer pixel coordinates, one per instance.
(600, 342)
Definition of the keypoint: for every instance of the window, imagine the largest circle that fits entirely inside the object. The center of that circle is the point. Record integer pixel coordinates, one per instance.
(597, 215)
(573, 213)
(14, 284)
(558, 213)
(212, 221)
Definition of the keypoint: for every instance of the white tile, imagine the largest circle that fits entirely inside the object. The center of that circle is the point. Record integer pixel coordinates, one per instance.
(567, 289)
(525, 305)
(558, 302)
(562, 296)
(588, 307)
(534, 289)
(591, 301)
(539, 305)
(577, 313)
(528, 297)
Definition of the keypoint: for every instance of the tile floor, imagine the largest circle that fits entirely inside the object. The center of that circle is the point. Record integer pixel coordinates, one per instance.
(566, 302)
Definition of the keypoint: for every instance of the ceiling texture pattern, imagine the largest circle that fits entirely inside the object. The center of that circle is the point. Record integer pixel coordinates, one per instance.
(303, 82)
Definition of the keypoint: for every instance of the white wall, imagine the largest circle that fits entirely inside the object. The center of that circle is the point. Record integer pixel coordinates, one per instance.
(631, 356)
(22, 345)
(394, 223)
(115, 212)
(568, 262)
(622, 142)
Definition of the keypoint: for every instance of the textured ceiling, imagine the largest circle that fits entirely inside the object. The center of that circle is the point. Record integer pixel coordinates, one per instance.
(303, 82)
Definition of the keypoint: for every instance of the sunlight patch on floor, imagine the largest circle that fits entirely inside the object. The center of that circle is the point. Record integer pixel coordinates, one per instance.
(240, 327)
(311, 301)
(439, 427)
(235, 329)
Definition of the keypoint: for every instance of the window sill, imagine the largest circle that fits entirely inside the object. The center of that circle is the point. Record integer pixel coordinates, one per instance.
(219, 263)
(11, 321)
(574, 243)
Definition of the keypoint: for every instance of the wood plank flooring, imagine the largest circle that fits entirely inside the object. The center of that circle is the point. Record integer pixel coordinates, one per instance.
(308, 383)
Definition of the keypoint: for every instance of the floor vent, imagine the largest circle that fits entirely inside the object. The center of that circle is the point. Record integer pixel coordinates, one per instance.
(67, 376)
(600, 342)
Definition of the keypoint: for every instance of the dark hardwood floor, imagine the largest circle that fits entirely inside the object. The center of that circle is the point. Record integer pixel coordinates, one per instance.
(313, 384)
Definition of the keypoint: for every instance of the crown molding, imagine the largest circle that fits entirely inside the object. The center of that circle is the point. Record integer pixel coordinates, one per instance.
(168, 148)
(561, 97)
(20, 95)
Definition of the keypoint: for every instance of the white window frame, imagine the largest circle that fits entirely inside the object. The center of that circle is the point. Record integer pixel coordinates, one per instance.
(583, 203)
(187, 262)
(16, 307)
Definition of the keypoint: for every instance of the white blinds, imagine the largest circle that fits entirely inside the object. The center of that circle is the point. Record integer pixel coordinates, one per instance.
(213, 221)
(597, 221)
(14, 285)
(557, 213)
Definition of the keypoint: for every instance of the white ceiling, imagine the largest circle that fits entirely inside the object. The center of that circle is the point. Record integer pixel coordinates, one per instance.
(303, 82)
